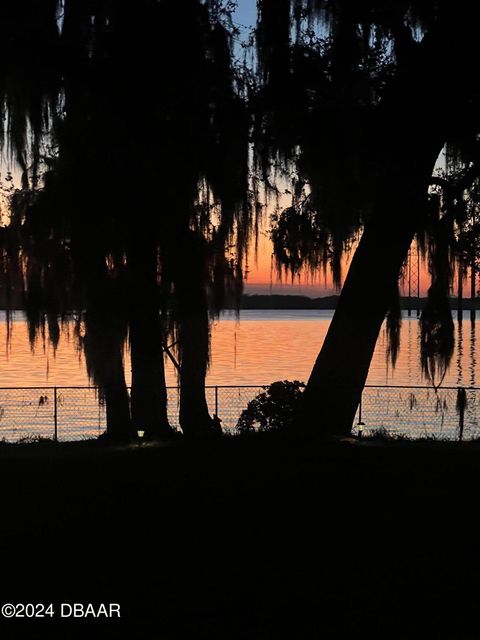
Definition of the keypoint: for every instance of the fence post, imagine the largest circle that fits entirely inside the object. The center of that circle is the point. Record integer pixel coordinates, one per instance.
(360, 424)
(216, 400)
(55, 414)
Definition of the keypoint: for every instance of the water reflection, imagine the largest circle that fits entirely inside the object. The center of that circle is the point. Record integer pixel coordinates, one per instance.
(263, 346)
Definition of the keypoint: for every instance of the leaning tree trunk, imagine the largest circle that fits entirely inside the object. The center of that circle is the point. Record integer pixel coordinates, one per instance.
(334, 389)
(335, 385)
(149, 392)
(193, 335)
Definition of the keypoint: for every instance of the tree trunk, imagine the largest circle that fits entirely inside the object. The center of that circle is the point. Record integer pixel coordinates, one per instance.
(406, 154)
(103, 346)
(149, 392)
(336, 383)
(193, 335)
(118, 411)
(195, 419)
(114, 390)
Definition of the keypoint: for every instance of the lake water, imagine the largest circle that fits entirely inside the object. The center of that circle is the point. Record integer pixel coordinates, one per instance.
(276, 345)
(256, 349)
(259, 348)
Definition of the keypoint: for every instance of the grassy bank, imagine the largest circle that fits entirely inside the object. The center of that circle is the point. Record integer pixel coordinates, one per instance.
(243, 538)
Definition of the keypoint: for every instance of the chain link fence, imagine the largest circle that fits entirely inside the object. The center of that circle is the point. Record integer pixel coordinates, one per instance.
(50, 413)
(29, 414)
(446, 413)
(76, 413)
(26, 413)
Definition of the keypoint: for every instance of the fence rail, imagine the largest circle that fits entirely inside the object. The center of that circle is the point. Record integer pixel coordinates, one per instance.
(77, 413)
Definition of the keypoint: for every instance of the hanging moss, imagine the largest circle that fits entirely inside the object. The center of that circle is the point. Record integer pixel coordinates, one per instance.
(127, 119)
(394, 322)
(126, 109)
(326, 118)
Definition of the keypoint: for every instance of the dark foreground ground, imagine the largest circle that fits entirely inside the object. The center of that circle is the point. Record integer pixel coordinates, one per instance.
(247, 539)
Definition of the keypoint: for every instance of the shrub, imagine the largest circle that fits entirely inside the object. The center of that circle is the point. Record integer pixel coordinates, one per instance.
(272, 409)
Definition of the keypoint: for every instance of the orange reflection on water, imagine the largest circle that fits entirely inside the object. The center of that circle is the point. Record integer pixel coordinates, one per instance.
(20, 366)
(276, 345)
(263, 347)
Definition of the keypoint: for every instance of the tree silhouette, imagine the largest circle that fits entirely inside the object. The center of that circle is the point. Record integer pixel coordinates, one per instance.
(124, 125)
(358, 100)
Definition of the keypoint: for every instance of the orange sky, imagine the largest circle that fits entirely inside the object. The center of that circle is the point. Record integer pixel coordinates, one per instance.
(262, 279)
(262, 275)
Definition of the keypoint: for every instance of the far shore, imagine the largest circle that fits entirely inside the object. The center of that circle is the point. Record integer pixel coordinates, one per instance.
(275, 301)
(299, 302)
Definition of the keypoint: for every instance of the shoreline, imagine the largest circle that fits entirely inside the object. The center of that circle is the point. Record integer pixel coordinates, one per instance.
(280, 302)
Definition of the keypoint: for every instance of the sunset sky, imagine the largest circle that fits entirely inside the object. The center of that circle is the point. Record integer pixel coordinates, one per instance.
(263, 279)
